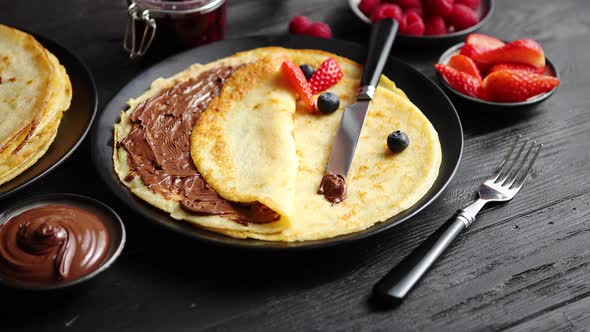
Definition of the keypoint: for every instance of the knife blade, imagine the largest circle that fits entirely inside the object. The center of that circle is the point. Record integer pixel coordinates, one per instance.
(333, 185)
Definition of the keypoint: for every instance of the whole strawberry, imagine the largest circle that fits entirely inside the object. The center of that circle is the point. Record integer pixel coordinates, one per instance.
(460, 81)
(517, 85)
(326, 76)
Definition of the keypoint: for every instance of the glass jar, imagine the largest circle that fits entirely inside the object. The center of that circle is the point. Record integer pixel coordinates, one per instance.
(173, 24)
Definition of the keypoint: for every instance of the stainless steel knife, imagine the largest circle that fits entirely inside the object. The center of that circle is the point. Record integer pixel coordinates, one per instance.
(382, 35)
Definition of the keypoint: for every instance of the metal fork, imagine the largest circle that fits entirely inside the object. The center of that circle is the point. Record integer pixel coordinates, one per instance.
(502, 186)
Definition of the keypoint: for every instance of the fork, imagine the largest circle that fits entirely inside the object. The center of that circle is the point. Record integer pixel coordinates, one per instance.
(507, 179)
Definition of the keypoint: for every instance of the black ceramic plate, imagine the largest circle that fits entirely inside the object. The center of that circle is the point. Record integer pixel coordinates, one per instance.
(113, 223)
(420, 89)
(485, 10)
(74, 125)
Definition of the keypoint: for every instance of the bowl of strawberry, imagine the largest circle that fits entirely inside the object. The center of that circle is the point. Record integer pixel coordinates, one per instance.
(427, 22)
(488, 71)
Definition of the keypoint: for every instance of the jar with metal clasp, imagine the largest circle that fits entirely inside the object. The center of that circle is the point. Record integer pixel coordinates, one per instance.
(173, 24)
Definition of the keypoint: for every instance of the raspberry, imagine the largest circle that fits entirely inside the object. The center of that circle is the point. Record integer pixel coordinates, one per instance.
(387, 11)
(473, 4)
(368, 6)
(434, 25)
(298, 25)
(439, 7)
(319, 29)
(462, 17)
(326, 76)
(417, 10)
(412, 24)
(407, 4)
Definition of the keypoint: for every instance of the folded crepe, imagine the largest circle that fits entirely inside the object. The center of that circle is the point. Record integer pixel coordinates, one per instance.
(243, 144)
(253, 146)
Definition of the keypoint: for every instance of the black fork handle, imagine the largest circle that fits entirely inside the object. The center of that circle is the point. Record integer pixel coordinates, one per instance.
(396, 284)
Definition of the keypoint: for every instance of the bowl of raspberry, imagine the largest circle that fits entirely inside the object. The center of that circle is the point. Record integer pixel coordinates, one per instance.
(427, 22)
(497, 74)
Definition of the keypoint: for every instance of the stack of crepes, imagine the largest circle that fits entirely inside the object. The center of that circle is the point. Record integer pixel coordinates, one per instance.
(226, 146)
(35, 90)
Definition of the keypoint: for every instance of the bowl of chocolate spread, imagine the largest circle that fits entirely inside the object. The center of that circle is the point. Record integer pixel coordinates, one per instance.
(57, 241)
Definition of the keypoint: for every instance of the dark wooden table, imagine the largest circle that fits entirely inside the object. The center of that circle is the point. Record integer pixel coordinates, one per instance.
(521, 266)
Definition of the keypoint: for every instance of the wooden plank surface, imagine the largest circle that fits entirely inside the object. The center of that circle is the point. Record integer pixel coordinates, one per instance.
(522, 266)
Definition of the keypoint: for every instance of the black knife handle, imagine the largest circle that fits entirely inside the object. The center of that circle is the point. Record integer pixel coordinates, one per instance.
(396, 284)
(382, 35)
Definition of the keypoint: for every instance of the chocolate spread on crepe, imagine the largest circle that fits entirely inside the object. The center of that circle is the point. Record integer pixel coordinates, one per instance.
(333, 187)
(52, 244)
(159, 148)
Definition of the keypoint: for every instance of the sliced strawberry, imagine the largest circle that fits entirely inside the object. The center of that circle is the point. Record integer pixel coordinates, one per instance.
(326, 76)
(480, 43)
(464, 64)
(524, 51)
(516, 66)
(510, 85)
(298, 82)
(460, 81)
(470, 51)
(477, 43)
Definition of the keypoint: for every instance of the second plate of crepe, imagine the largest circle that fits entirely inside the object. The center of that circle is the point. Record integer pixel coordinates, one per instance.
(438, 114)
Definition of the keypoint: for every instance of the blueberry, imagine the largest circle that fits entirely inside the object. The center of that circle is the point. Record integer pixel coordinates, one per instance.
(397, 141)
(307, 71)
(328, 102)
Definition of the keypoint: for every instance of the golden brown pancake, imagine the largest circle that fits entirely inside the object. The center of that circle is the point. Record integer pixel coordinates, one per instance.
(380, 184)
(39, 111)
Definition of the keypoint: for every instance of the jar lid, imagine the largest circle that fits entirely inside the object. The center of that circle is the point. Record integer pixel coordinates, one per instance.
(179, 7)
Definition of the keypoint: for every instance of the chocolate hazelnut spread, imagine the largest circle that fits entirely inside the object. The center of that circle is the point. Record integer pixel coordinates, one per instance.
(333, 187)
(52, 244)
(158, 146)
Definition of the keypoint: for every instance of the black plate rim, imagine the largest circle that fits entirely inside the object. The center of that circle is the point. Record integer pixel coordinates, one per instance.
(481, 23)
(494, 105)
(108, 175)
(115, 218)
(49, 44)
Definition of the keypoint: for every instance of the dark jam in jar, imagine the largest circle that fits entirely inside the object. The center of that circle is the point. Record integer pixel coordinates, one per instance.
(184, 23)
